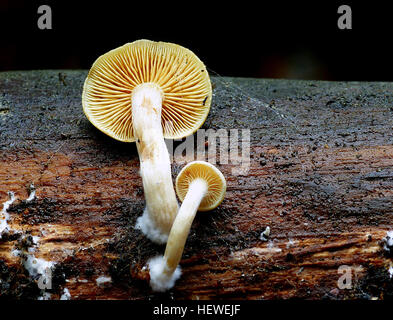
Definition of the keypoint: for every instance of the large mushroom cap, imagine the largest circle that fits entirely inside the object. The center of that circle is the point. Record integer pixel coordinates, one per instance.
(182, 77)
(202, 170)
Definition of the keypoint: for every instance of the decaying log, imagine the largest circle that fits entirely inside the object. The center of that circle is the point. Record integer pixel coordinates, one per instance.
(320, 177)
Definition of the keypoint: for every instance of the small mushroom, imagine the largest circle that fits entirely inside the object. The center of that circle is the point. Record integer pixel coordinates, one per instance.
(201, 186)
(144, 92)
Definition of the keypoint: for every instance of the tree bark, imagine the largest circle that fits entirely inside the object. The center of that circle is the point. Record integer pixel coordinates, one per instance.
(320, 177)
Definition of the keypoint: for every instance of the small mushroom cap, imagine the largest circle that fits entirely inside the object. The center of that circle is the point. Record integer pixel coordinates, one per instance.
(177, 71)
(215, 180)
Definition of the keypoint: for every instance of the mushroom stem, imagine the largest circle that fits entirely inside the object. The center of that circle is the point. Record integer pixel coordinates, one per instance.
(155, 167)
(182, 225)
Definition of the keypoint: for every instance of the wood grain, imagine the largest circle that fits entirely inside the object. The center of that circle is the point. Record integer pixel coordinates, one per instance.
(320, 177)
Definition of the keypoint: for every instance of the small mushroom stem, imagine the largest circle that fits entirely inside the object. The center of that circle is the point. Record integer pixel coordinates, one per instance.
(155, 167)
(182, 224)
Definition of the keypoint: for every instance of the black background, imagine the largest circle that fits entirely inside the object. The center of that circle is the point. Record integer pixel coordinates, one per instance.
(270, 39)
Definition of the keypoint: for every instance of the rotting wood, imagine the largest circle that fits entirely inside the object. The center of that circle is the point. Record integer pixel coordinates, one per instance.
(321, 179)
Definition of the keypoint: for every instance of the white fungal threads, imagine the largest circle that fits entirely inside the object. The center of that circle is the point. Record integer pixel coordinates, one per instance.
(148, 228)
(103, 280)
(45, 296)
(290, 243)
(32, 195)
(160, 281)
(265, 234)
(272, 248)
(388, 241)
(390, 271)
(66, 295)
(4, 215)
(37, 267)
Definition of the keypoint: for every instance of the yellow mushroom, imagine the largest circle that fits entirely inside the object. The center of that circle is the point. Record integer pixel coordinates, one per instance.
(144, 92)
(200, 186)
